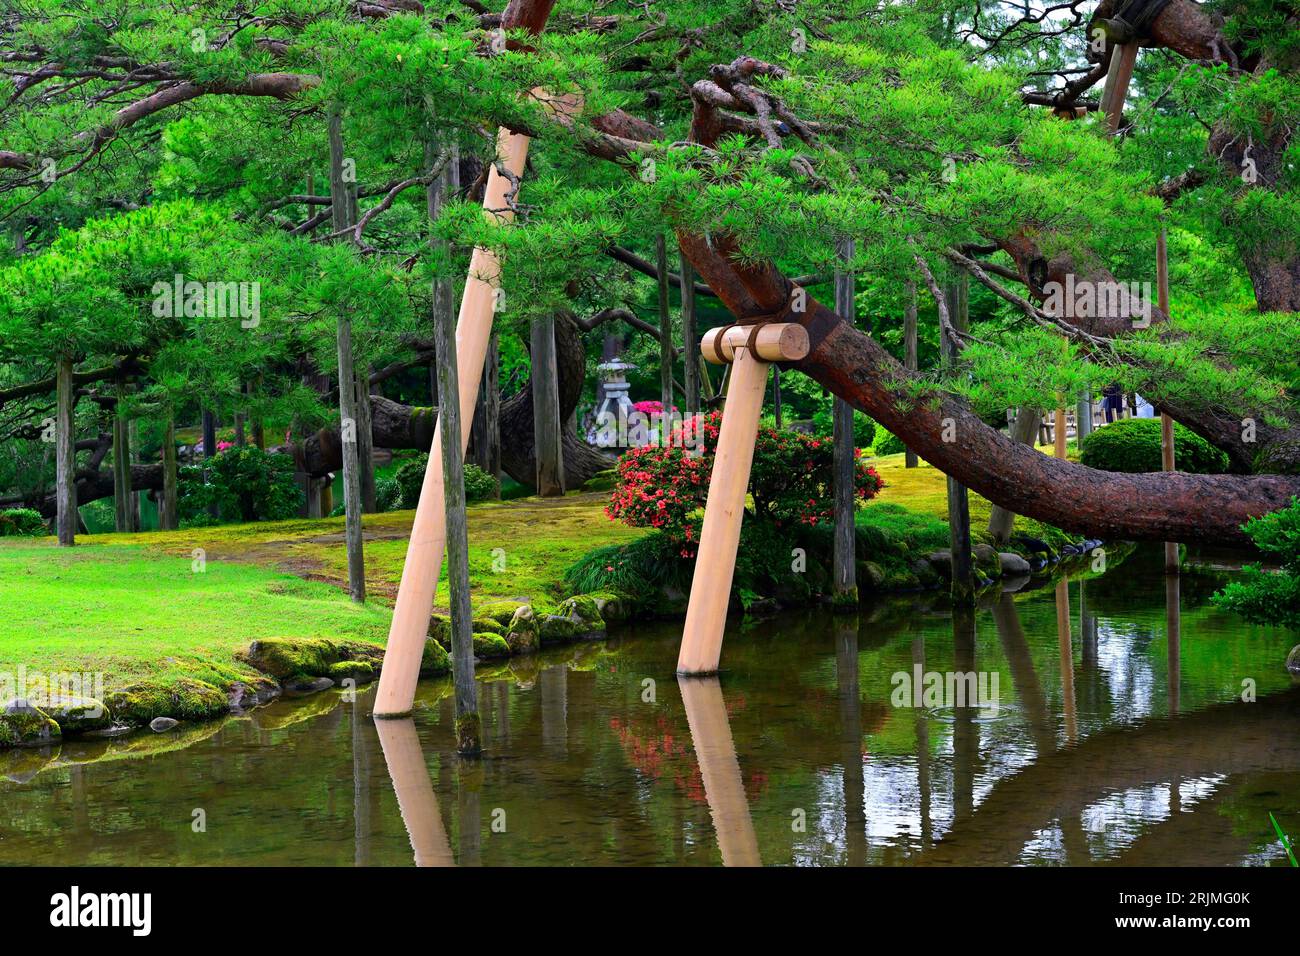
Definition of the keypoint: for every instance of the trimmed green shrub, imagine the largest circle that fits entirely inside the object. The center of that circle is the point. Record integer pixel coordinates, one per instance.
(388, 494)
(21, 523)
(887, 443)
(479, 485)
(1270, 597)
(246, 484)
(1133, 445)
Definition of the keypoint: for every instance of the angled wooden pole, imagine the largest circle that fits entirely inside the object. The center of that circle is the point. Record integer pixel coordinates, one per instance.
(406, 636)
(1118, 77)
(715, 563)
(416, 800)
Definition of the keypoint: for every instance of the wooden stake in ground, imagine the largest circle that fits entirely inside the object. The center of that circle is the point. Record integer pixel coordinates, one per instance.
(909, 346)
(410, 624)
(168, 515)
(715, 563)
(121, 465)
(665, 326)
(1172, 563)
(548, 436)
(844, 585)
(453, 483)
(963, 564)
(349, 425)
(65, 455)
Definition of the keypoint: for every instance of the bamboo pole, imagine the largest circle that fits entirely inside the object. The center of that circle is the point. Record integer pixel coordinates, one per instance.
(401, 670)
(715, 563)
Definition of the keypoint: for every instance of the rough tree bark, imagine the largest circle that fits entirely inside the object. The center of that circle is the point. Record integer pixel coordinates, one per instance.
(844, 586)
(548, 423)
(65, 455)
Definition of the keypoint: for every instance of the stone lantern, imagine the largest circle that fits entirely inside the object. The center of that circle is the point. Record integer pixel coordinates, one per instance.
(613, 412)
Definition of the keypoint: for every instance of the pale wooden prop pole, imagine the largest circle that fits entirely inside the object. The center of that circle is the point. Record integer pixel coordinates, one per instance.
(1167, 462)
(962, 588)
(349, 425)
(844, 584)
(715, 752)
(1120, 74)
(452, 446)
(715, 564)
(1058, 430)
(416, 799)
(910, 359)
(65, 455)
(406, 635)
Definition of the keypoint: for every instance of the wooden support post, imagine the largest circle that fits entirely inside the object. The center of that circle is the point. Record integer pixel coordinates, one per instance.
(690, 341)
(548, 432)
(962, 590)
(168, 513)
(121, 466)
(844, 584)
(452, 446)
(1167, 462)
(406, 635)
(210, 449)
(665, 326)
(715, 563)
(1059, 432)
(65, 454)
(1083, 419)
(1023, 430)
(365, 443)
(1118, 77)
(909, 346)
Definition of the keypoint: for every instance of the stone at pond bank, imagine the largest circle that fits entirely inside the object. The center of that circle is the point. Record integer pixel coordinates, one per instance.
(78, 715)
(247, 694)
(282, 657)
(502, 612)
(160, 725)
(1013, 564)
(361, 672)
(613, 607)
(584, 612)
(1293, 661)
(490, 646)
(434, 661)
(302, 686)
(523, 634)
(185, 699)
(22, 725)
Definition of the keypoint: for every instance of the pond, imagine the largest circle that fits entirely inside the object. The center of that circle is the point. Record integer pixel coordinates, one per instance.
(1101, 736)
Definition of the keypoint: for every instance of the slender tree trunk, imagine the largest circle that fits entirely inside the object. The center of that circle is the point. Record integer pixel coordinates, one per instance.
(665, 326)
(909, 346)
(1167, 463)
(365, 444)
(341, 203)
(1001, 520)
(65, 455)
(844, 587)
(121, 466)
(547, 433)
(691, 357)
(777, 413)
(492, 411)
(259, 432)
(963, 564)
(168, 513)
(133, 440)
(468, 730)
(210, 449)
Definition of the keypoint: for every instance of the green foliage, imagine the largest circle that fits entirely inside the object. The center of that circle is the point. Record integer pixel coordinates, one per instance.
(635, 568)
(864, 429)
(479, 485)
(1133, 445)
(887, 443)
(21, 522)
(1267, 597)
(245, 484)
(388, 493)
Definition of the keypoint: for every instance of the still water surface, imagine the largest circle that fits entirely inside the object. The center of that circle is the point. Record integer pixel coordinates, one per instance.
(1111, 743)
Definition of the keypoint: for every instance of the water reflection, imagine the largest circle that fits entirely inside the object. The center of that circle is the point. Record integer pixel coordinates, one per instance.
(1118, 750)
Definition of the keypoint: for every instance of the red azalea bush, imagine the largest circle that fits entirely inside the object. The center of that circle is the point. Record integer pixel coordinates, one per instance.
(791, 481)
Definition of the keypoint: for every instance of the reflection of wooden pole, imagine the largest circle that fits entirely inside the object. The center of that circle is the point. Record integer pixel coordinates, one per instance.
(715, 751)
(406, 635)
(1066, 648)
(415, 797)
(1174, 638)
(715, 564)
(1122, 60)
(1166, 423)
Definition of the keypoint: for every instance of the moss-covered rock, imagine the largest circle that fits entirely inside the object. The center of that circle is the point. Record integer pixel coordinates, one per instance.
(77, 715)
(583, 612)
(556, 629)
(869, 574)
(22, 725)
(612, 606)
(500, 611)
(486, 625)
(288, 657)
(523, 635)
(363, 672)
(435, 661)
(490, 646)
(184, 699)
